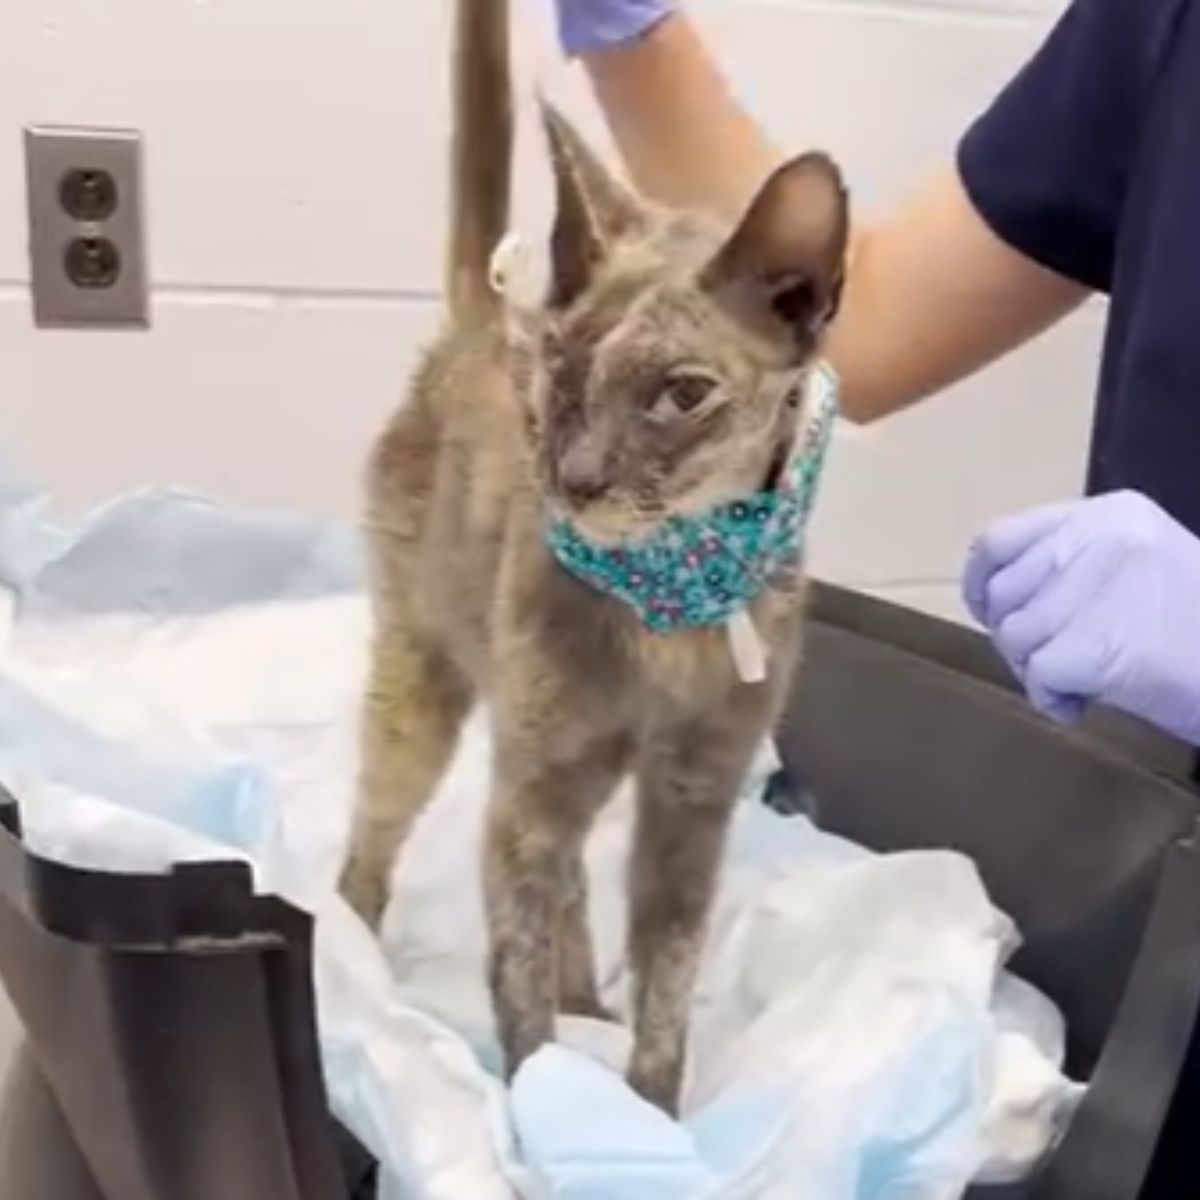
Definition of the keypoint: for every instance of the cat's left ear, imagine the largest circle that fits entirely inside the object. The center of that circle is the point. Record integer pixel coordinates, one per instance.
(593, 211)
(781, 271)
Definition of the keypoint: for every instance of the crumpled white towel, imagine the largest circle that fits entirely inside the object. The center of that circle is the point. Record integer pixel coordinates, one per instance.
(855, 1036)
(854, 1033)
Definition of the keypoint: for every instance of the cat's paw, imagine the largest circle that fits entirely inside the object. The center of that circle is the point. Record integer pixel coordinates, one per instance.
(657, 1083)
(366, 891)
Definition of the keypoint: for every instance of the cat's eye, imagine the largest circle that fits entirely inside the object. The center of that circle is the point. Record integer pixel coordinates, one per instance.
(683, 394)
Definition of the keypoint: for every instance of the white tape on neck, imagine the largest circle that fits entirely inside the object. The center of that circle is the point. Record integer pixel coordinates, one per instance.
(746, 647)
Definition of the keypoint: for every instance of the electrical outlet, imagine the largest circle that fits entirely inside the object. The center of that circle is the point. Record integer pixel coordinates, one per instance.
(86, 238)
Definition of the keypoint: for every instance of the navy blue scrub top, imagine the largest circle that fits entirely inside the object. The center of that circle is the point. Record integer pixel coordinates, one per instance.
(1089, 163)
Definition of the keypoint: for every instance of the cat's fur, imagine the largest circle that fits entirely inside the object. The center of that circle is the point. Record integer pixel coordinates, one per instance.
(579, 406)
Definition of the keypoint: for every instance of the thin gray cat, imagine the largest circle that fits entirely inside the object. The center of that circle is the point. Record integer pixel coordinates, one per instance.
(660, 376)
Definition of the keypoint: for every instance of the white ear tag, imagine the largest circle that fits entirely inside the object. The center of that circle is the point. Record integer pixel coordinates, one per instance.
(749, 654)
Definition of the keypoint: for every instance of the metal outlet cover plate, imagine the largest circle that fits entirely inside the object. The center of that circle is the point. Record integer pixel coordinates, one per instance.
(86, 229)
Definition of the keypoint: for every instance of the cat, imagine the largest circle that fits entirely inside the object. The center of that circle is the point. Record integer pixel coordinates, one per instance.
(662, 374)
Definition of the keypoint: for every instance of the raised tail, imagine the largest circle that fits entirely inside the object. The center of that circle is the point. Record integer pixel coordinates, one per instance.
(481, 155)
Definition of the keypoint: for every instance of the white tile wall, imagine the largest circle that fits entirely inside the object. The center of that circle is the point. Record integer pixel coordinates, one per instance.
(295, 154)
(259, 397)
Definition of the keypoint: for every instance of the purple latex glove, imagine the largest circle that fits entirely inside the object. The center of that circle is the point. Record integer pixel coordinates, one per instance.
(1096, 600)
(585, 25)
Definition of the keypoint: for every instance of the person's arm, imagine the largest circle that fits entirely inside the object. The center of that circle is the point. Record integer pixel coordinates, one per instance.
(933, 293)
(683, 136)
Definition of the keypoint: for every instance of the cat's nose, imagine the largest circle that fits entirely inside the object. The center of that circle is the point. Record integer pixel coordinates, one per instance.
(583, 489)
(583, 475)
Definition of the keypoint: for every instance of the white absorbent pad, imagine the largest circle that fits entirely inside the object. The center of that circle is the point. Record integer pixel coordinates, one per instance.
(180, 682)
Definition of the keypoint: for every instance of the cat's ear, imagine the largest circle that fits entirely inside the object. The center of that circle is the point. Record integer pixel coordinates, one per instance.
(780, 272)
(593, 211)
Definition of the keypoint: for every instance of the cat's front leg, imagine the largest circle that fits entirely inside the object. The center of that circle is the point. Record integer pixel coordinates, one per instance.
(687, 788)
(578, 986)
(549, 783)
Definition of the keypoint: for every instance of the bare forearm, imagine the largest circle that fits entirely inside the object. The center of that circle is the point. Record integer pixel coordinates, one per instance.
(932, 294)
(684, 138)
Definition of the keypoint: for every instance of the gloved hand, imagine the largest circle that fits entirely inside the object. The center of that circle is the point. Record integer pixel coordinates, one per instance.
(585, 25)
(1096, 600)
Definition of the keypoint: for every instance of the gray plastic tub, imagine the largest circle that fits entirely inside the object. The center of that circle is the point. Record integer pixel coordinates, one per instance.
(171, 1050)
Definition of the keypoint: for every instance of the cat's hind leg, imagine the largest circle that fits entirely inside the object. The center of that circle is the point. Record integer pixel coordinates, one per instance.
(417, 696)
(416, 701)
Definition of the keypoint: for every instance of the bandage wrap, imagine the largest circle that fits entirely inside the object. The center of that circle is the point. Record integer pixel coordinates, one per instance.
(700, 570)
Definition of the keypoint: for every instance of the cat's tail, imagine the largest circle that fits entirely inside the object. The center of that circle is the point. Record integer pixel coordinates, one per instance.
(481, 157)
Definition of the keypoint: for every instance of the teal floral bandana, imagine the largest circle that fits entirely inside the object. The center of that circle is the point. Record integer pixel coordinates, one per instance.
(703, 570)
